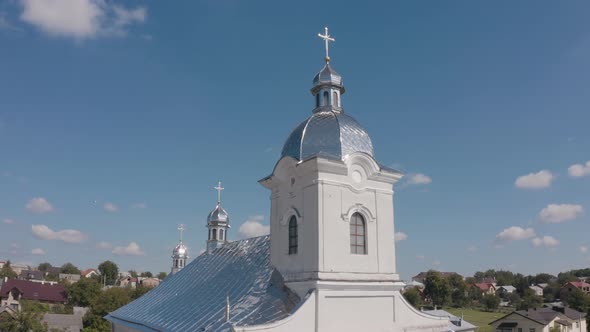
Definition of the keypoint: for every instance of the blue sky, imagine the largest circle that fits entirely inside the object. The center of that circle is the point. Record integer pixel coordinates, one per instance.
(117, 119)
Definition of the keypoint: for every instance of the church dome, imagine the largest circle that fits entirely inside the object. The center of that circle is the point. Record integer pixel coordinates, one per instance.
(328, 133)
(180, 250)
(328, 76)
(218, 215)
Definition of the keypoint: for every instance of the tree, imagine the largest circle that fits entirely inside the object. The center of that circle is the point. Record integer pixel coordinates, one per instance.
(491, 302)
(146, 274)
(162, 275)
(107, 301)
(514, 299)
(458, 290)
(44, 267)
(578, 300)
(565, 277)
(109, 271)
(437, 288)
(83, 292)
(133, 273)
(530, 300)
(27, 319)
(69, 268)
(413, 297)
(543, 278)
(7, 272)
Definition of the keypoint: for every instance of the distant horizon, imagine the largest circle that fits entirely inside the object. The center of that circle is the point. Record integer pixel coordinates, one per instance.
(116, 127)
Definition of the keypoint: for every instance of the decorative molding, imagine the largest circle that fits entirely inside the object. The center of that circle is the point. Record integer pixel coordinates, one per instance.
(363, 210)
(291, 211)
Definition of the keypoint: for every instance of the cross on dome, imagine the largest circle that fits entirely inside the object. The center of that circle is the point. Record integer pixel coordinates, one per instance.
(327, 39)
(219, 188)
(181, 228)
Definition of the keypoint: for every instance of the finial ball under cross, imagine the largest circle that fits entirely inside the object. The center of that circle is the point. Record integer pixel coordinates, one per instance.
(219, 188)
(327, 38)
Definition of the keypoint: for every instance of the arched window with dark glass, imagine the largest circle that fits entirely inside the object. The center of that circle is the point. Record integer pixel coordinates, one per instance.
(326, 98)
(214, 237)
(221, 234)
(358, 238)
(293, 237)
(335, 99)
(317, 100)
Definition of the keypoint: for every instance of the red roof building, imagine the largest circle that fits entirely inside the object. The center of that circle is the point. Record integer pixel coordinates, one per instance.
(571, 286)
(13, 291)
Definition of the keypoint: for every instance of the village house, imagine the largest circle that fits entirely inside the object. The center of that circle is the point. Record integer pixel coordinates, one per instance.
(89, 273)
(69, 278)
(502, 291)
(486, 288)
(573, 285)
(537, 289)
(541, 320)
(14, 290)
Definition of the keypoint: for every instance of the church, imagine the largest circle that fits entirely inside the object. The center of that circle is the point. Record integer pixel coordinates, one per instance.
(329, 263)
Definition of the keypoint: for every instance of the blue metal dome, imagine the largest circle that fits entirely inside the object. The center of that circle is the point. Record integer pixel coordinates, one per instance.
(328, 133)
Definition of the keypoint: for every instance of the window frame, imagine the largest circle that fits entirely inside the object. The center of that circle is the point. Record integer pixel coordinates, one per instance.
(293, 236)
(357, 223)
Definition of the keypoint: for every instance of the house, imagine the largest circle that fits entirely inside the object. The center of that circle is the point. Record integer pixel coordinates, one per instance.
(502, 291)
(149, 282)
(128, 282)
(541, 320)
(31, 275)
(18, 268)
(420, 277)
(486, 288)
(14, 290)
(571, 286)
(2, 263)
(89, 273)
(69, 278)
(537, 289)
(458, 324)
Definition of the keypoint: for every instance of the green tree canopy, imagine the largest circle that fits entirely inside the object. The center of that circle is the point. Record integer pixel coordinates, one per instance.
(437, 288)
(83, 292)
(413, 297)
(146, 274)
(7, 272)
(44, 267)
(490, 302)
(110, 271)
(162, 275)
(69, 268)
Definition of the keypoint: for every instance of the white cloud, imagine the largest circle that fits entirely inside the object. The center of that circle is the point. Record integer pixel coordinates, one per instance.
(556, 213)
(253, 227)
(583, 249)
(400, 236)
(139, 206)
(419, 179)
(39, 205)
(514, 233)
(104, 245)
(541, 179)
(132, 249)
(110, 207)
(38, 252)
(80, 18)
(8, 221)
(67, 235)
(579, 170)
(545, 241)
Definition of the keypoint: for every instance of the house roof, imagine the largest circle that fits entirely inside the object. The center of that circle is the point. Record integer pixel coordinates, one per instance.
(87, 271)
(35, 290)
(577, 284)
(68, 323)
(545, 315)
(508, 288)
(484, 286)
(194, 298)
(30, 274)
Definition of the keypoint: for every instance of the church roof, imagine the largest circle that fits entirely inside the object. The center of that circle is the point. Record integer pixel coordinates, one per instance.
(194, 299)
(218, 214)
(327, 133)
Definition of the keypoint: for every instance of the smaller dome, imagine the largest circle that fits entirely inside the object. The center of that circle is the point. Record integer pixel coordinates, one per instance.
(328, 76)
(180, 250)
(218, 215)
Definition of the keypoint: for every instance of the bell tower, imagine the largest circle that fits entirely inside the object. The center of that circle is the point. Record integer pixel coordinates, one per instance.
(217, 223)
(331, 201)
(179, 254)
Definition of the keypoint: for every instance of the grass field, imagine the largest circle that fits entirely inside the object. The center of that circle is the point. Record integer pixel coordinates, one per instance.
(476, 317)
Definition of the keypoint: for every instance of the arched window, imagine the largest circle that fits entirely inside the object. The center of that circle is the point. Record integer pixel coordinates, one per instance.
(221, 234)
(335, 99)
(214, 234)
(317, 100)
(326, 98)
(176, 263)
(358, 239)
(209, 234)
(293, 237)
